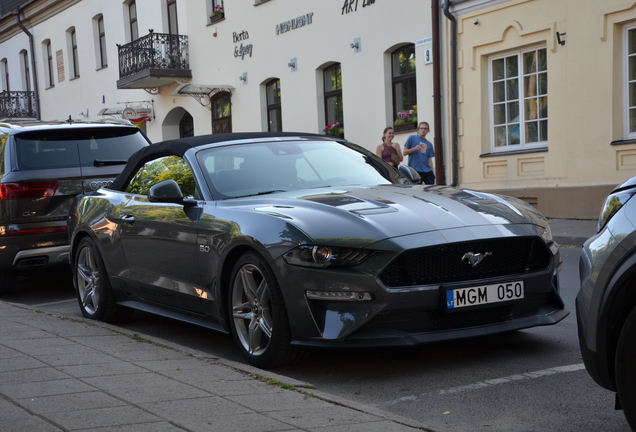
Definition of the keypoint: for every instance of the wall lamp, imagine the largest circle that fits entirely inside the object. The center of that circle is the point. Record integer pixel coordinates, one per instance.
(243, 78)
(293, 65)
(559, 40)
(356, 45)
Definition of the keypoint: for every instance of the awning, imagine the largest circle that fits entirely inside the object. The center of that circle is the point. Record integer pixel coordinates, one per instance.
(201, 92)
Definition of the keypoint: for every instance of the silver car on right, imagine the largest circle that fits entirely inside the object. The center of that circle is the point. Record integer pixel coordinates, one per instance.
(606, 303)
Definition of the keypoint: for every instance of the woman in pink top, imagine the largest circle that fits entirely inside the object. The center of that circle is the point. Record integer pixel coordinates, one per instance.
(389, 148)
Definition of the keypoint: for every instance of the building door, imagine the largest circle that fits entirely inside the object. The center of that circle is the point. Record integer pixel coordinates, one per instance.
(222, 113)
(186, 126)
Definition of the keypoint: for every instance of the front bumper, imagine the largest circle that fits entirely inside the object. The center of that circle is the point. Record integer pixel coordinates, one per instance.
(407, 316)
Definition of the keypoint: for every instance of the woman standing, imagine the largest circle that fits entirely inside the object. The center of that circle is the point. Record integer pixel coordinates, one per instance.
(388, 150)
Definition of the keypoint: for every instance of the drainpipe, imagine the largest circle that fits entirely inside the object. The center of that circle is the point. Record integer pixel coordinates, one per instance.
(36, 92)
(440, 169)
(453, 91)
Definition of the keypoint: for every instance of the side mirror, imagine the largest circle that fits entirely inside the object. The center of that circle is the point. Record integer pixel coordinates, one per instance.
(410, 174)
(168, 191)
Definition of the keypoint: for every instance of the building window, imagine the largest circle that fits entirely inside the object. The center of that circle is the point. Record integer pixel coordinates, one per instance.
(48, 62)
(222, 113)
(216, 10)
(4, 74)
(72, 48)
(630, 82)
(404, 87)
(519, 99)
(26, 72)
(102, 60)
(274, 112)
(173, 28)
(132, 23)
(333, 98)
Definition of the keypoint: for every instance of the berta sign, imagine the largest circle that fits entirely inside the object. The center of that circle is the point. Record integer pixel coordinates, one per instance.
(295, 23)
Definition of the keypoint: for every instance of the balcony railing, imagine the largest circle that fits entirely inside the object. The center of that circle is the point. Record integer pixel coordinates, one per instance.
(17, 104)
(153, 51)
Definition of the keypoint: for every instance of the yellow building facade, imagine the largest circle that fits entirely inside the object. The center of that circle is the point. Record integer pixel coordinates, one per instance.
(545, 99)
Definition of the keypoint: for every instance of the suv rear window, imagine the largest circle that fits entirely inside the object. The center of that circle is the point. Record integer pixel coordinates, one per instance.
(67, 148)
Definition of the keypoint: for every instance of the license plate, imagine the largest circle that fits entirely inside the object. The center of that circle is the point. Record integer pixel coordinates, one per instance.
(485, 294)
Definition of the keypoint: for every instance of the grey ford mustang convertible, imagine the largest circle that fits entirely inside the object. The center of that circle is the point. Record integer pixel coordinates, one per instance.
(297, 240)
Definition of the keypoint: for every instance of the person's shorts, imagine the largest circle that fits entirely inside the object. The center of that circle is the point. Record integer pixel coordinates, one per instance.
(428, 177)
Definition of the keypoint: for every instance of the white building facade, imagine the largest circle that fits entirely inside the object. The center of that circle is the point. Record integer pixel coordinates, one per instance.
(194, 67)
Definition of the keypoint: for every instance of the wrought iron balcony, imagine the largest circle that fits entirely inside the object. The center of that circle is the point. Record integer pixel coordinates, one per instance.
(17, 104)
(153, 61)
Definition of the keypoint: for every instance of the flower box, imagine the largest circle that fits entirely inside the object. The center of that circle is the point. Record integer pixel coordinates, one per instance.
(217, 17)
(405, 127)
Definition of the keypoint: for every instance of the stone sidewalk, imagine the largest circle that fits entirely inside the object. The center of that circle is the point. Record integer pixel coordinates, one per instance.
(62, 374)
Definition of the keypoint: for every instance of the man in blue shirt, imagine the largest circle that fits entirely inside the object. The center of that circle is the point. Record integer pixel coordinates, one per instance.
(421, 153)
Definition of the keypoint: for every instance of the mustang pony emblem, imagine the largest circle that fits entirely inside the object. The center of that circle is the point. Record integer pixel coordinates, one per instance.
(475, 258)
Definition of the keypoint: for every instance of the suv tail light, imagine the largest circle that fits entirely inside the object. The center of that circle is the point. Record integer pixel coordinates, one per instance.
(11, 191)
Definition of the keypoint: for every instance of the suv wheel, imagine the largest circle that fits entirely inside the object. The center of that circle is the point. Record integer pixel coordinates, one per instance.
(7, 281)
(626, 369)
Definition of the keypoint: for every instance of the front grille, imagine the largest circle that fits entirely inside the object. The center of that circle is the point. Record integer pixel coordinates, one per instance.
(443, 263)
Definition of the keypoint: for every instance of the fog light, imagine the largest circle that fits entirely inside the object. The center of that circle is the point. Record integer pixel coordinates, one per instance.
(339, 295)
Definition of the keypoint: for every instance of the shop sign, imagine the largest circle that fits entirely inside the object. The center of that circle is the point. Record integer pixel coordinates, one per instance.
(295, 23)
(352, 5)
(137, 114)
(241, 50)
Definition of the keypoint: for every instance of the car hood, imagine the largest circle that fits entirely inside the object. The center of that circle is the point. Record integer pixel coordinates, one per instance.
(375, 213)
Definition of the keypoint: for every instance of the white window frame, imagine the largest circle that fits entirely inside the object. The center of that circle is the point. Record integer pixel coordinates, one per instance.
(25, 70)
(627, 132)
(73, 55)
(101, 47)
(523, 145)
(4, 75)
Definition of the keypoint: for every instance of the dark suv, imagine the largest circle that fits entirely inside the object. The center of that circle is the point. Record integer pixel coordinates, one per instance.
(43, 166)
(606, 303)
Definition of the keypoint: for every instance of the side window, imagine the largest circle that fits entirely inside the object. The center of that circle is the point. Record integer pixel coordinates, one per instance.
(164, 168)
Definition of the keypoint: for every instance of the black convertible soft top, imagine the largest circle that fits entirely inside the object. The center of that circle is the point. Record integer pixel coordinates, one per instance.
(178, 147)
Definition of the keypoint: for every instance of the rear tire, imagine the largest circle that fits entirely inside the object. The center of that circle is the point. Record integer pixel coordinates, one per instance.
(8, 279)
(92, 285)
(258, 316)
(626, 369)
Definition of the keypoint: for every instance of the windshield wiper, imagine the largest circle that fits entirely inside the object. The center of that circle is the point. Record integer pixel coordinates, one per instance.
(260, 193)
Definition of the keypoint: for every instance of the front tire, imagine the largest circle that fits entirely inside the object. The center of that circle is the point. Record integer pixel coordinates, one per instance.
(94, 293)
(626, 369)
(258, 315)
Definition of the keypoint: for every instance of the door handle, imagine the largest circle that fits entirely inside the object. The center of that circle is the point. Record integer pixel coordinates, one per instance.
(128, 219)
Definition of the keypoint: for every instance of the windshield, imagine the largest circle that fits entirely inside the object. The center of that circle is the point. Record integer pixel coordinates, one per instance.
(259, 168)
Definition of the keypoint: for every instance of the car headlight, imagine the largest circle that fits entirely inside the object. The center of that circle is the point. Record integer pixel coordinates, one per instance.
(546, 234)
(325, 256)
(613, 204)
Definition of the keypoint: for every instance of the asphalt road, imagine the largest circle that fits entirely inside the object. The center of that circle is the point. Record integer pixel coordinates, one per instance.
(530, 380)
